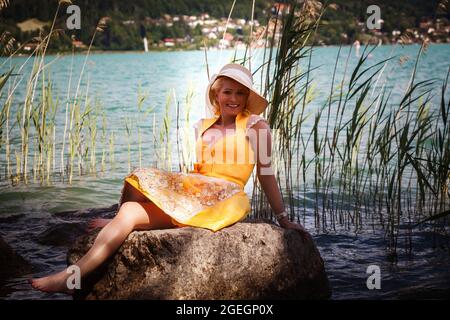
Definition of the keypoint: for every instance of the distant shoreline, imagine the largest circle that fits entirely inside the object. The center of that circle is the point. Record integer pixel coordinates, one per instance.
(51, 53)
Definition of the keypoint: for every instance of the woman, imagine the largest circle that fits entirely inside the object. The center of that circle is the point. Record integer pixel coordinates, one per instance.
(212, 196)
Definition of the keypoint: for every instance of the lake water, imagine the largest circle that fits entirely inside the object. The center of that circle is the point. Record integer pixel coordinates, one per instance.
(28, 213)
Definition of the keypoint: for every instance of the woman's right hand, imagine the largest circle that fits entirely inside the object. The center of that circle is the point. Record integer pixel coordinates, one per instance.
(287, 224)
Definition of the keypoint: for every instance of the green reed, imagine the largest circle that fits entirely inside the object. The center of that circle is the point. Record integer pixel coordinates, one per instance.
(282, 76)
(162, 143)
(128, 131)
(185, 143)
(112, 162)
(103, 141)
(4, 119)
(92, 125)
(36, 118)
(66, 115)
(381, 160)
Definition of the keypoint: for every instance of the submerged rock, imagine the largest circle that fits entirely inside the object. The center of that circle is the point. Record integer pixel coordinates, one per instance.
(63, 234)
(107, 212)
(72, 224)
(249, 260)
(11, 263)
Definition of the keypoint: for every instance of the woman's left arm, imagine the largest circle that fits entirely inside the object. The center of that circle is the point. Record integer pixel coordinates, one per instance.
(261, 141)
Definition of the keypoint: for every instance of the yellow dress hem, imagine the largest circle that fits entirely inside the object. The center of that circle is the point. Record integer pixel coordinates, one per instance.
(214, 218)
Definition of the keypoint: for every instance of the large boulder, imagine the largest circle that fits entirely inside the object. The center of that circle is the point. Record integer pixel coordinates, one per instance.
(249, 260)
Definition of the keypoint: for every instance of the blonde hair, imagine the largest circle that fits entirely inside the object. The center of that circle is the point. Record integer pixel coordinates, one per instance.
(215, 88)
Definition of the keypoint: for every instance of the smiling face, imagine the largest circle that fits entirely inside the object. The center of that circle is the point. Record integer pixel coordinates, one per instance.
(230, 96)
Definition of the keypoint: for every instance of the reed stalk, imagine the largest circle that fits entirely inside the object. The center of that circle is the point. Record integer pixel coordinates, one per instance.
(66, 115)
(128, 132)
(103, 140)
(111, 151)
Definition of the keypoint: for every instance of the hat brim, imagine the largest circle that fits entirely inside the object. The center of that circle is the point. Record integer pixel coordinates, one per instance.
(256, 103)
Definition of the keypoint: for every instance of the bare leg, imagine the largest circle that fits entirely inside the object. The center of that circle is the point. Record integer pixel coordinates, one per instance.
(129, 193)
(131, 216)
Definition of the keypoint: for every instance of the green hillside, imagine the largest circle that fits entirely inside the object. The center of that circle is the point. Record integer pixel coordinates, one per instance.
(130, 20)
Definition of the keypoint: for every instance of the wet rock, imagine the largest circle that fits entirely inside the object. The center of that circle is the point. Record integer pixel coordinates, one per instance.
(245, 261)
(107, 212)
(73, 226)
(12, 218)
(63, 234)
(11, 263)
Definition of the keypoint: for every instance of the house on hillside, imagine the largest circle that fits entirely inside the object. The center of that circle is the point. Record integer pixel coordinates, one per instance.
(31, 25)
(78, 44)
(169, 42)
(279, 8)
(30, 46)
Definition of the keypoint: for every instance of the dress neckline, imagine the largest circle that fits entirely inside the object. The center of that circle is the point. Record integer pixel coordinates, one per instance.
(239, 117)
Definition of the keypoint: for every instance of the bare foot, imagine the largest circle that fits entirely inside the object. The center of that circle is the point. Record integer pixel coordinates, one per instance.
(56, 282)
(97, 223)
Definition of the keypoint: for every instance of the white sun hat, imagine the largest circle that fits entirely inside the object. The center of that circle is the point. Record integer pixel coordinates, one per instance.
(256, 103)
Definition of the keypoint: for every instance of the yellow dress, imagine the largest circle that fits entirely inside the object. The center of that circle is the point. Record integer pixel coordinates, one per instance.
(212, 195)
